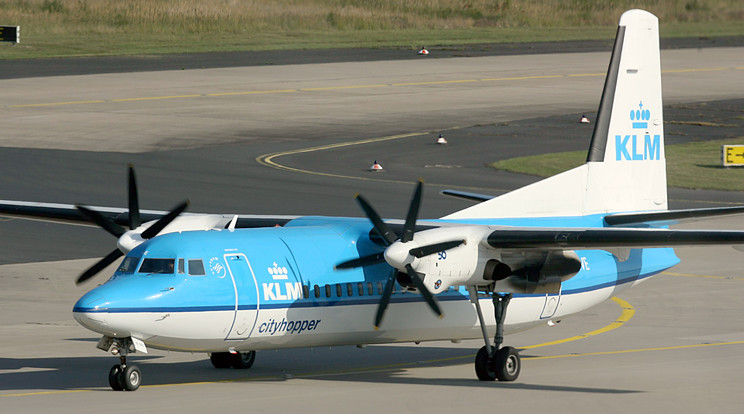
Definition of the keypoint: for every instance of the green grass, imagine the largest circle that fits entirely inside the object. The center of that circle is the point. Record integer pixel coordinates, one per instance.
(116, 27)
(692, 165)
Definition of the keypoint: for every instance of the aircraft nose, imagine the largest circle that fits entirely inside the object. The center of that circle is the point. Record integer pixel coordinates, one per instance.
(92, 313)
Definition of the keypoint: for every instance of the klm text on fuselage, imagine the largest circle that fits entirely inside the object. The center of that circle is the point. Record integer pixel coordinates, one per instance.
(632, 148)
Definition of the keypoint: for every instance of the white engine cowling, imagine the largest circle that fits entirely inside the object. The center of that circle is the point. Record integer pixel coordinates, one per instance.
(185, 222)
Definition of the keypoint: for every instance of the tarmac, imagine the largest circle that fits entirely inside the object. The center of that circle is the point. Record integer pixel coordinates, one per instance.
(298, 139)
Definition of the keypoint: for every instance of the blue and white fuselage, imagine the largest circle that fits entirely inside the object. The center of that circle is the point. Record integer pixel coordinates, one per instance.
(268, 288)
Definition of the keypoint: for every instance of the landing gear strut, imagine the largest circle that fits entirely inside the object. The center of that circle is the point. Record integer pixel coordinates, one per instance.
(495, 362)
(122, 377)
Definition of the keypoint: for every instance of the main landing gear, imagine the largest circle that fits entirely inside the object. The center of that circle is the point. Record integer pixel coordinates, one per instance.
(495, 362)
(237, 360)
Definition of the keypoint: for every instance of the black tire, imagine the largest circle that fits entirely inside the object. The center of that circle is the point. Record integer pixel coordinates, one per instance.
(243, 360)
(131, 378)
(221, 359)
(483, 366)
(507, 364)
(115, 377)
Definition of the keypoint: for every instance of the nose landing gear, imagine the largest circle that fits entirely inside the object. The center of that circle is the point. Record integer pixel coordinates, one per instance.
(122, 377)
(495, 362)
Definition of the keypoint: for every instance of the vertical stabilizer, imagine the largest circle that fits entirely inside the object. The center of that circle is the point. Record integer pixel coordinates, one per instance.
(625, 168)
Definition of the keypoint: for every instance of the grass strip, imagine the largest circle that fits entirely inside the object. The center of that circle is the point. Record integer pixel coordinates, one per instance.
(115, 27)
(694, 165)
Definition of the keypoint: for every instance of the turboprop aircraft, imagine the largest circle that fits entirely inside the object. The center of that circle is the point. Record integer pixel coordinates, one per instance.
(229, 285)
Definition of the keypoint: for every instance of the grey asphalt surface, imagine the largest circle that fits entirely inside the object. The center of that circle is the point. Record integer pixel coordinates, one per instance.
(680, 351)
(13, 69)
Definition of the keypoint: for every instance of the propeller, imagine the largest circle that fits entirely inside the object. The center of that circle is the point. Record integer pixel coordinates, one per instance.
(390, 238)
(117, 231)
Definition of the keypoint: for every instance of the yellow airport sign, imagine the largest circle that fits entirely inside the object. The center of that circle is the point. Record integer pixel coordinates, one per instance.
(732, 155)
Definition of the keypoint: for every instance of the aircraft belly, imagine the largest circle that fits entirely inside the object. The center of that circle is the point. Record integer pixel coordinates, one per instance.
(342, 325)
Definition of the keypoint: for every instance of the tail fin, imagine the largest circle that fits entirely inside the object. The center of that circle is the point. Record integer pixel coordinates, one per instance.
(625, 168)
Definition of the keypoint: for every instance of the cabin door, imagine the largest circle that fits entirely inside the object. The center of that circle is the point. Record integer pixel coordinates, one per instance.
(246, 295)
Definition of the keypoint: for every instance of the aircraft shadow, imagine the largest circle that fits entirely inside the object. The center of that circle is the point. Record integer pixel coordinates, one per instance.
(378, 364)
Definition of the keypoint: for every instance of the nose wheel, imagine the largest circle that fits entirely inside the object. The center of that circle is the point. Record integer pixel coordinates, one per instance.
(495, 362)
(125, 377)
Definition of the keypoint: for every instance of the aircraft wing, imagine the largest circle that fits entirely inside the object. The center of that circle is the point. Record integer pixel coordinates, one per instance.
(69, 214)
(670, 216)
(608, 238)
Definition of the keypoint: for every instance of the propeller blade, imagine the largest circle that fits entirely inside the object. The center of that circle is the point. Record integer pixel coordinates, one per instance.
(413, 210)
(159, 225)
(422, 251)
(423, 290)
(102, 221)
(100, 265)
(362, 261)
(382, 229)
(134, 213)
(385, 300)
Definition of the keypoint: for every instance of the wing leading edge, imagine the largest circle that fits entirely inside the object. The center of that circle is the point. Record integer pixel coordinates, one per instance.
(607, 238)
(69, 214)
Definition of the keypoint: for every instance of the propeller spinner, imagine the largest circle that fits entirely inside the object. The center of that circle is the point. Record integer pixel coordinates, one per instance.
(398, 255)
(118, 231)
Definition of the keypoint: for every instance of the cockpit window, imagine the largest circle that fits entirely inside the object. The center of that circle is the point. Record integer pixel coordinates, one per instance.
(129, 265)
(196, 267)
(157, 266)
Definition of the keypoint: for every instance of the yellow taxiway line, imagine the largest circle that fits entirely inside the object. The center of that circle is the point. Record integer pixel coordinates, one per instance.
(345, 87)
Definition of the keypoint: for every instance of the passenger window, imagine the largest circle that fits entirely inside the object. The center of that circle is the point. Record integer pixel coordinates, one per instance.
(160, 266)
(328, 291)
(196, 267)
(360, 288)
(370, 289)
(129, 265)
(316, 288)
(339, 291)
(305, 291)
(379, 288)
(181, 266)
(349, 289)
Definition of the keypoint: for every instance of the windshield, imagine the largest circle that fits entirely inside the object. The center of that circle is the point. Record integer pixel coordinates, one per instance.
(158, 266)
(129, 265)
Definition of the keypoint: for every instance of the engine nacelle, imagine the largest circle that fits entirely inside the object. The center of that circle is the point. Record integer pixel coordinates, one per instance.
(185, 222)
(532, 272)
(475, 263)
(455, 266)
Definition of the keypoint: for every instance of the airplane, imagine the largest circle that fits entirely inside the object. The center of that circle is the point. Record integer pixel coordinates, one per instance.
(229, 285)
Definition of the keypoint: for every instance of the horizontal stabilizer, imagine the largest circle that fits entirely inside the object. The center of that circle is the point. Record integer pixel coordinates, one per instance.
(466, 195)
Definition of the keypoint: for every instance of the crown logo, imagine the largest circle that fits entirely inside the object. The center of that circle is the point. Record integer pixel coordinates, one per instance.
(640, 117)
(278, 272)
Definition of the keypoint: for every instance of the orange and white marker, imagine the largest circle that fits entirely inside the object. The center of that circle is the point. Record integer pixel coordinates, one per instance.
(441, 140)
(584, 119)
(423, 51)
(376, 167)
